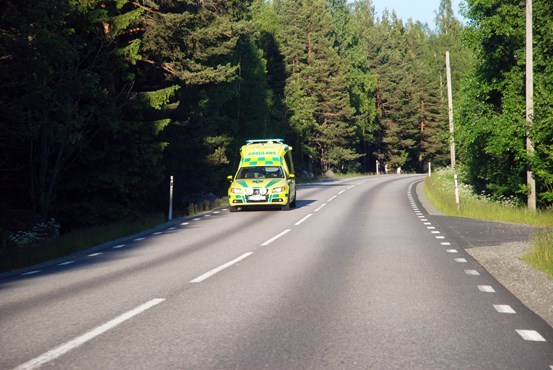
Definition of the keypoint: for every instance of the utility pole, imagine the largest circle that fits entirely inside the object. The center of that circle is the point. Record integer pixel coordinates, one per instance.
(451, 126)
(530, 180)
(450, 110)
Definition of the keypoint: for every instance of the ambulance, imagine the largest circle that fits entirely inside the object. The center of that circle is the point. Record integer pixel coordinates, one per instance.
(265, 176)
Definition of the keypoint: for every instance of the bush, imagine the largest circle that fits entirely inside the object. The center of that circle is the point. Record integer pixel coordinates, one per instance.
(38, 233)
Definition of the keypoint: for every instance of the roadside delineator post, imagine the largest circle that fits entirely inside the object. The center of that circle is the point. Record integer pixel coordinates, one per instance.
(170, 217)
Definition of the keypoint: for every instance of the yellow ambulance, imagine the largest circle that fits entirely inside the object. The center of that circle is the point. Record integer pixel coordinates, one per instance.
(265, 176)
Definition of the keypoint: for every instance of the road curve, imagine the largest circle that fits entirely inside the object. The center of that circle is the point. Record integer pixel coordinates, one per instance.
(357, 276)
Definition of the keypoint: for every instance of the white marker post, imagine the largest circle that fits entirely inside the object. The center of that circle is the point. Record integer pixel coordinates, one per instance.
(171, 199)
(429, 169)
(457, 192)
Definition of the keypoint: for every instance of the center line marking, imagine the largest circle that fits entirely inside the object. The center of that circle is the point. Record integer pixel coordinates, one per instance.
(331, 199)
(275, 237)
(209, 274)
(351, 187)
(341, 192)
(78, 341)
(321, 207)
(303, 219)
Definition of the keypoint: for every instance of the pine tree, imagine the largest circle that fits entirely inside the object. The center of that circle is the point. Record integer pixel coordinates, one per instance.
(316, 91)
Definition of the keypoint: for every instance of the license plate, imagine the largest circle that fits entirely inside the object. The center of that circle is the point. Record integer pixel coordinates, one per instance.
(257, 198)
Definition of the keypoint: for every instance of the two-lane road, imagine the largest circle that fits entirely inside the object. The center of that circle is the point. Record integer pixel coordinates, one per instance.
(358, 276)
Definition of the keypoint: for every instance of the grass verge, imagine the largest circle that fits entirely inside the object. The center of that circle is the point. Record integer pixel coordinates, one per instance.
(75, 241)
(439, 189)
(541, 254)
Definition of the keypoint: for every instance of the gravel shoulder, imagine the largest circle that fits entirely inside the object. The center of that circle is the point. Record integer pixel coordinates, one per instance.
(502, 258)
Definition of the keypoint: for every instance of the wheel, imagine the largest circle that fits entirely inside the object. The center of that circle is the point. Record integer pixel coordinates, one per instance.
(233, 209)
(286, 207)
(293, 204)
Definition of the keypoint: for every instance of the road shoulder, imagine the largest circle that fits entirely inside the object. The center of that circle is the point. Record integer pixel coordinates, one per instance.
(503, 260)
(532, 287)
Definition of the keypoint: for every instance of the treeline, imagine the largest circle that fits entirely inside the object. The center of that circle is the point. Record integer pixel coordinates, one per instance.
(492, 107)
(103, 100)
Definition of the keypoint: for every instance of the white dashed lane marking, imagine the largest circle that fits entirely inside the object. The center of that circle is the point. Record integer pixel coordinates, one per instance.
(95, 254)
(78, 341)
(303, 219)
(209, 274)
(31, 273)
(321, 207)
(528, 335)
(531, 335)
(138, 239)
(118, 246)
(486, 289)
(66, 263)
(503, 308)
(276, 237)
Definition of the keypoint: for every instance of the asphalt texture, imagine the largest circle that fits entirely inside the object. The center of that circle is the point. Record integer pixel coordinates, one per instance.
(359, 275)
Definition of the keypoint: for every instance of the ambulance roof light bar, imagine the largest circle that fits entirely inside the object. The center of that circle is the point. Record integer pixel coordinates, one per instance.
(256, 141)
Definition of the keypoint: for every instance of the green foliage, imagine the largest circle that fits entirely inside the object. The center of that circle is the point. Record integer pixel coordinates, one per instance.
(103, 100)
(492, 126)
(541, 255)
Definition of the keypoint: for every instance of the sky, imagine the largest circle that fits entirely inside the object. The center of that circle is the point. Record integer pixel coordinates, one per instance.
(424, 10)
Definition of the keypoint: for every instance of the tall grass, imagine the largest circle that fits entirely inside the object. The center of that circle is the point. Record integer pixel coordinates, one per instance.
(541, 254)
(440, 190)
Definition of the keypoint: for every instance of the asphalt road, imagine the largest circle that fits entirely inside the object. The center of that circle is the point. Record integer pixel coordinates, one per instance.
(358, 276)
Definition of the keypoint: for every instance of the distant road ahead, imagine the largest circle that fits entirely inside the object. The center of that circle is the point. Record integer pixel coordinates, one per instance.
(358, 276)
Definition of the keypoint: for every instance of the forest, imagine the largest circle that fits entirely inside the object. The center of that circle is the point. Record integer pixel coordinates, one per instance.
(103, 100)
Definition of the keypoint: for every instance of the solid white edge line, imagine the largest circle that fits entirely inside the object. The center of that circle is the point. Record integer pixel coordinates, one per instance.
(275, 237)
(78, 341)
(209, 274)
(531, 335)
(303, 219)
